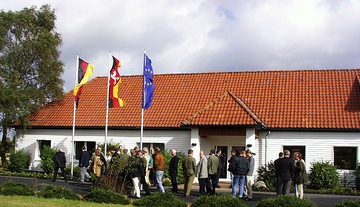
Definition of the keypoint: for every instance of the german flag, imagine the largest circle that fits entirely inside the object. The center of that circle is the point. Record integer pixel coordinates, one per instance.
(85, 70)
(115, 80)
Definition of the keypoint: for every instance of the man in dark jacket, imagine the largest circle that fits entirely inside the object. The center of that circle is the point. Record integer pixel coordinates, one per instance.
(83, 164)
(59, 162)
(173, 170)
(285, 170)
(240, 167)
(138, 174)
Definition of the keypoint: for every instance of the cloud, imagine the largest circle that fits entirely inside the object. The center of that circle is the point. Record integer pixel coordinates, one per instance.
(206, 36)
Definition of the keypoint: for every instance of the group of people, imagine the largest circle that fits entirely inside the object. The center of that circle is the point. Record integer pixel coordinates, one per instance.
(241, 167)
(289, 170)
(150, 170)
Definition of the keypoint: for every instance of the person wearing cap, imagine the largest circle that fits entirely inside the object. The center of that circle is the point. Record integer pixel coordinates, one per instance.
(59, 162)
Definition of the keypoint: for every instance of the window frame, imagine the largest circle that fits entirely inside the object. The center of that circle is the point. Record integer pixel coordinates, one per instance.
(352, 152)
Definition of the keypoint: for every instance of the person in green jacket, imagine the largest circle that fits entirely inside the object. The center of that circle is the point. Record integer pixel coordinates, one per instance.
(189, 164)
(213, 164)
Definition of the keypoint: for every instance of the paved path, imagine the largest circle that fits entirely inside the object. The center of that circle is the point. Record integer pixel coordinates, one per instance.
(83, 188)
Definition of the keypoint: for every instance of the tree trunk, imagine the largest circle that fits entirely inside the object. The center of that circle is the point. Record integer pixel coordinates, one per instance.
(4, 146)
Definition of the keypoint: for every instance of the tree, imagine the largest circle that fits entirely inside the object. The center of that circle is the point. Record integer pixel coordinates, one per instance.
(30, 69)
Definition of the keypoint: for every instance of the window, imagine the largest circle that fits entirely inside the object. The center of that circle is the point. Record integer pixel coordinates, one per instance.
(153, 145)
(294, 149)
(78, 148)
(42, 143)
(345, 157)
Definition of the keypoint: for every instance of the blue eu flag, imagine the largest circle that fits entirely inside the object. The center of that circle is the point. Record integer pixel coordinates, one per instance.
(148, 85)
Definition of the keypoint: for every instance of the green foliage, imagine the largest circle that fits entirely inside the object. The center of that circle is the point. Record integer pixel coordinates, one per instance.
(226, 200)
(118, 174)
(284, 201)
(267, 173)
(106, 196)
(159, 199)
(51, 191)
(19, 161)
(348, 203)
(168, 156)
(357, 176)
(76, 172)
(109, 144)
(11, 188)
(323, 175)
(47, 163)
(30, 68)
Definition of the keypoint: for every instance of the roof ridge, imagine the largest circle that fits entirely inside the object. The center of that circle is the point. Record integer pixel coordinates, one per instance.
(245, 71)
(206, 108)
(247, 109)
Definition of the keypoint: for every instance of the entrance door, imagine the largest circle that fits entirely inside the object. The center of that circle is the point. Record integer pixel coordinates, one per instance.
(223, 159)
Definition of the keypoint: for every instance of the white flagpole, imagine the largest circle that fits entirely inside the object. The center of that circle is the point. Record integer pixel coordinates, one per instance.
(107, 105)
(73, 128)
(142, 107)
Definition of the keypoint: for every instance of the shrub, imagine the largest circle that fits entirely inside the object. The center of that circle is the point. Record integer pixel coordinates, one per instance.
(348, 203)
(19, 161)
(357, 177)
(221, 200)
(323, 175)
(284, 201)
(47, 164)
(118, 174)
(76, 172)
(106, 196)
(51, 191)
(11, 188)
(159, 199)
(266, 173)
(180, 175)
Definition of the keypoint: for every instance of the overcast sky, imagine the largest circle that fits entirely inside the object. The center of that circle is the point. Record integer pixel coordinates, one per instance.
(205, 36)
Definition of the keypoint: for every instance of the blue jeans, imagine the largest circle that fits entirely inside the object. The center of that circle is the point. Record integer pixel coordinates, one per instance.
(159, 175)
(235, 182)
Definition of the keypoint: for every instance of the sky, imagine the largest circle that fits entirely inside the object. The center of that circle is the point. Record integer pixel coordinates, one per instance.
(204, 36)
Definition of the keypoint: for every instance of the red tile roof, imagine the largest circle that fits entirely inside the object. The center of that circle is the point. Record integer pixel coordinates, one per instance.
(306, 99)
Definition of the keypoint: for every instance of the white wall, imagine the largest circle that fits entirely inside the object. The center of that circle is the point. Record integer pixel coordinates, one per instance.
(319, 146)
(61, 138)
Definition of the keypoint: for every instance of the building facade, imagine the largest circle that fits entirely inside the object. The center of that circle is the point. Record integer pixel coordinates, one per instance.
(315, 112)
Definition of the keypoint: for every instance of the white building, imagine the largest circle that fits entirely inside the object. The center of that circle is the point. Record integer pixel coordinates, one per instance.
(315, 112)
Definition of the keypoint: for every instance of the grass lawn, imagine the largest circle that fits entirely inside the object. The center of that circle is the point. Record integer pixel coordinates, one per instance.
(14, 201)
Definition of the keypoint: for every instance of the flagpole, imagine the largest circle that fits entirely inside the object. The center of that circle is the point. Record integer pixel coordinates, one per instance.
(73, 128)
(107, 105)
(143, 104)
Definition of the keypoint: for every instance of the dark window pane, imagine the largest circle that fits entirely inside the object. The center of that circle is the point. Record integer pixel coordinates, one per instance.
(345, 157)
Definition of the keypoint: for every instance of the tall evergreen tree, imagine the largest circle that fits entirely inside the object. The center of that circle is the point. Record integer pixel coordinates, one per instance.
(30, 69)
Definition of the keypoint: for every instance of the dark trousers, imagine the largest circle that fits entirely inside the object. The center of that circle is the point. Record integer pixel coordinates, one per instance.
(204, 184)
(174, 182)
(212, 179)
(218, 176)
(56, 173)
(152, 177)
(283, 187)
(145, 185)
